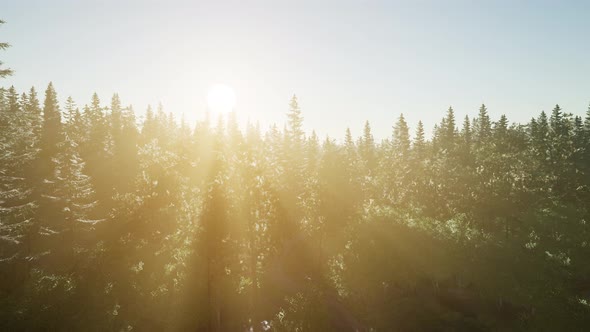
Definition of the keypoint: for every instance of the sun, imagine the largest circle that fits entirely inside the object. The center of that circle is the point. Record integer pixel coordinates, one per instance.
(221, 98)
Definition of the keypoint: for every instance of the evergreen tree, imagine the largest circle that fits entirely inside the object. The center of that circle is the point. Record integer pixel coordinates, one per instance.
(3, 46)
(483, 127)
(556, 121)
(33, 110)
(149, 128)
(366, 148)
(312, 153)
(466, 132)
(97, 152)
(449, 130)
(501, 134)
(219, 230)
(294, 140)
(401, 137)
(419, 144)
(51, 132)
(17, 200)
(295, 125)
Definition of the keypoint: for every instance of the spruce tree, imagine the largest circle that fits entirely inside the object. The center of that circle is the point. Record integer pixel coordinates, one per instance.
(51, 131)
(419, 143)
(366, 148)
(312, 151)
(401, 137)
(483, 127)
(33, 109)
(294, 140)
(149, 128)
(7, 71)
(295, 125)
(501, 130)
(97, 151)
(466, 133)
(449, 129)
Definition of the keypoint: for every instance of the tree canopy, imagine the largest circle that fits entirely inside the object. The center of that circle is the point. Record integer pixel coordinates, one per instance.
(110, 224)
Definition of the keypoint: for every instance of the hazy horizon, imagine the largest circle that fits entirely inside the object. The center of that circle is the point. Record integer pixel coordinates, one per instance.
(366, 61)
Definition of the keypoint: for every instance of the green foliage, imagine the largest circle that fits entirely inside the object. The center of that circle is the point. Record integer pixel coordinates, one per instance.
(3, 46)
(106, 226)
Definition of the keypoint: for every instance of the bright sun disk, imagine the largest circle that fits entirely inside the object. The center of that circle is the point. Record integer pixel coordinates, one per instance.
(221, 98)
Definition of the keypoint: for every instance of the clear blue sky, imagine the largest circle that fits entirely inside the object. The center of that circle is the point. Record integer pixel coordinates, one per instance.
(346, 60)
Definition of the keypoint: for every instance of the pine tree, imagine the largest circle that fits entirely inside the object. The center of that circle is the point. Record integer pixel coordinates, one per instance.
(51, 132)
(312, 148)
(116, 124)
(466, 144)
(124, 134)
(294, 140)
(541, 138)
(295, 125)
(352, 158)
(483, 128)
(3, 46)
(74, 126)
(13, 100)
(501, 129)
(401, 137)
(349, 143)
(75, 197)
(449, 129)
(466, 132)
(97, 152)
(419, 144)
(45, 233)
(98, 125)
(556, 121)
(70, 110)
(578, 132)
(33, 110)
(149, 129)
(366, 148)
(19, 187)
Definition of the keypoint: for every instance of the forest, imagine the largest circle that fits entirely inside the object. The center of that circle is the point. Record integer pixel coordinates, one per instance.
(108, 223)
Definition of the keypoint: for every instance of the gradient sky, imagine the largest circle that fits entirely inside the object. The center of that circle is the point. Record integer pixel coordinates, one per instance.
(347, 61)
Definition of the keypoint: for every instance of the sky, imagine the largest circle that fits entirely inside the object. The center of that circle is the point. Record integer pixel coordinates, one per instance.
(347, 61)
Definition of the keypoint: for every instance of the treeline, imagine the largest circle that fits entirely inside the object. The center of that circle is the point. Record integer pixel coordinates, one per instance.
(111, 225)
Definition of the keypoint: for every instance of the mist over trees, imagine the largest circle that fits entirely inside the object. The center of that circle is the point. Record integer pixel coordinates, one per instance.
(107, 224)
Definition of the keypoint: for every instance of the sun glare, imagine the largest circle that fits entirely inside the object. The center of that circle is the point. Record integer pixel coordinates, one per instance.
(221, 98)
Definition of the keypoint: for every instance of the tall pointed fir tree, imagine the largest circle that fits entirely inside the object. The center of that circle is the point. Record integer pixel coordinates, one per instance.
(483, 127)
(448, 131)
(74, 195)
(45, 234)
(366, 147)
(293, 159)
(397, 162)
(18, 201)
(96, 152)
(401, 138)
(123, 132)
(295, 138)
(419, 144)
(6, 71)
